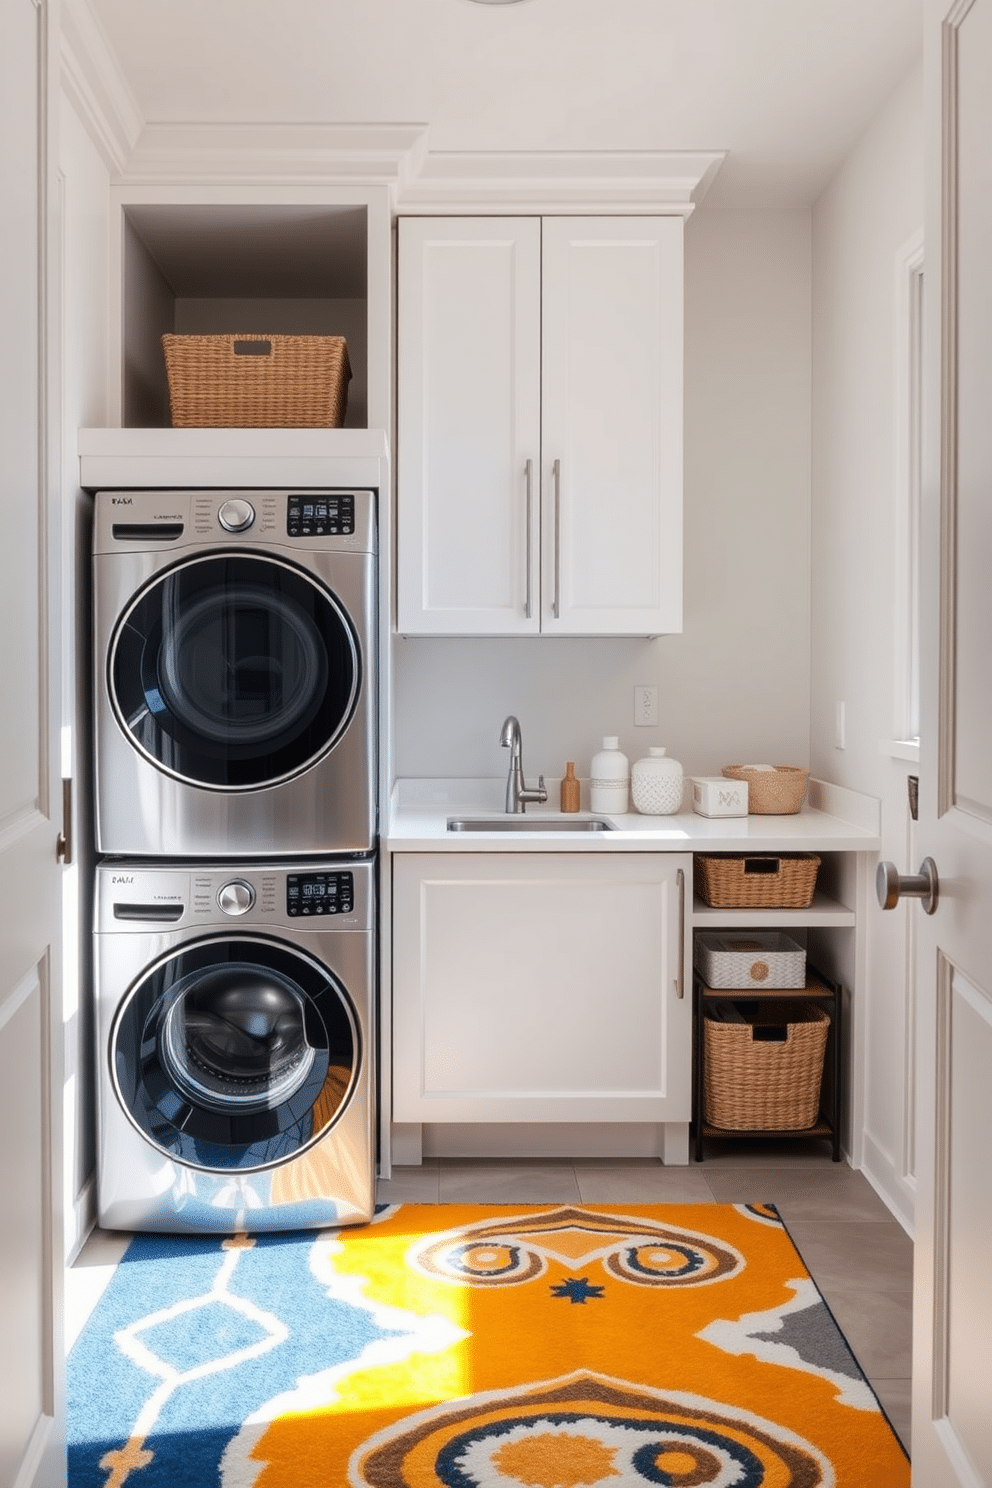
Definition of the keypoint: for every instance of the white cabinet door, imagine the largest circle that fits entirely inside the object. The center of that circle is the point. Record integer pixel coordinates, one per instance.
(469, 425)
(612, 425)
(539, 469)
(540, 987)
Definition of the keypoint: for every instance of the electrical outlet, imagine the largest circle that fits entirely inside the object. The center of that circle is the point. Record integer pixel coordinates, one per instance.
(645, 706)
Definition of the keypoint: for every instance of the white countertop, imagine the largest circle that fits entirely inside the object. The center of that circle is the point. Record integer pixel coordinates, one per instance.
(833, 820)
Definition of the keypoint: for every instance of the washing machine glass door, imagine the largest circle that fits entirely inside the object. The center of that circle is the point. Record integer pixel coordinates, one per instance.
(235, 1053)
(234, 672)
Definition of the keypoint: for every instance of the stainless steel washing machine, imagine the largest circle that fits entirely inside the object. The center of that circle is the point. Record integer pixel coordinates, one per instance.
(235, 1019)
(235, 672)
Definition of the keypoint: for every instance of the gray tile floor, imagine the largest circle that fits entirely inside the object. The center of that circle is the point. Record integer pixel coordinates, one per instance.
(859, 1256)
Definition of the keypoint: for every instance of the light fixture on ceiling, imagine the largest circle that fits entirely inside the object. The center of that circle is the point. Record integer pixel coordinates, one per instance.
(496, 2)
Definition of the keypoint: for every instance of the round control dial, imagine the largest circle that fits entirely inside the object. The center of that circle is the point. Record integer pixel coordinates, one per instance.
(236, 515)
(236, 897)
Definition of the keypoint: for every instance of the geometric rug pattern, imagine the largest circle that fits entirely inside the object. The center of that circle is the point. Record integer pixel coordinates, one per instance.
(471, 1346)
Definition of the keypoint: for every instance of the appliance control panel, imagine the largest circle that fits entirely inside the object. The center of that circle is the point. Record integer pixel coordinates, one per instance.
(320, 893)
(320, 514)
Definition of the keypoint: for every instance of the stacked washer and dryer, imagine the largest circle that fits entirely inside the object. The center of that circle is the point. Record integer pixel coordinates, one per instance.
(235, 748)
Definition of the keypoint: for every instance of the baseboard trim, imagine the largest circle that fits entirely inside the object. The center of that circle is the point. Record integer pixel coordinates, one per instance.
(897, 1193)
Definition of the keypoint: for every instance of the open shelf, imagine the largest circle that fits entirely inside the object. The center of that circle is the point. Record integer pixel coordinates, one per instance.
(823, 911)
(237, 268)
(817, 988)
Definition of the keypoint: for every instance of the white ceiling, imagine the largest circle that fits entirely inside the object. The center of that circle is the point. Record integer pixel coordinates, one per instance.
(784, 86)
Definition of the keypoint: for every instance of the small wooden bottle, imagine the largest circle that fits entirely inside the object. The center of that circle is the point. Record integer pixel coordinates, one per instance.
(570, 789)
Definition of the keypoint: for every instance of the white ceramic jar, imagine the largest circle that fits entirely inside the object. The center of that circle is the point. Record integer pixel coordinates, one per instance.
(656, 784)
(609, 779)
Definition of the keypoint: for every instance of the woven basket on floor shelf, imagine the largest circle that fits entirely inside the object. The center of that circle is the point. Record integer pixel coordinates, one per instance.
(257, 382)
(758, 881)
(757, 1083)
(780, 791)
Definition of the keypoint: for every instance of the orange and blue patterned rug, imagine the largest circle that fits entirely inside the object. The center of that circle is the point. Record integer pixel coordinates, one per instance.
(468, 1346)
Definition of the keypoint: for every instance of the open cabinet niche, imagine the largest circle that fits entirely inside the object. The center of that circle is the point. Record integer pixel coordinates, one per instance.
(237, 268)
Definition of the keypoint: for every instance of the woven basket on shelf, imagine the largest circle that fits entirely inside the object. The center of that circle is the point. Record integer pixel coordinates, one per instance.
(762, 881)
(779, 791)
(257, 382)
(764, 1068)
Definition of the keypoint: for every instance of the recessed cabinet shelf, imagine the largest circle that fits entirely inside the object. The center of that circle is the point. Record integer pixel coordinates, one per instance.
(259, 263)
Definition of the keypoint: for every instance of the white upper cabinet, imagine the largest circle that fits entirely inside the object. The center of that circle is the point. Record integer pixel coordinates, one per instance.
(469, 425)
(539, 410)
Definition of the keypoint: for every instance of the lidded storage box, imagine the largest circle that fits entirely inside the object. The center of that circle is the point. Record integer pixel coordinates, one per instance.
(257, 382)
(714, 795)
(764, 1065)
(749, 958)
(759, 881)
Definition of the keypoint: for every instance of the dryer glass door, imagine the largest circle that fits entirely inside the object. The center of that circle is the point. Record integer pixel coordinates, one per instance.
(235, 1053)
(234, 672)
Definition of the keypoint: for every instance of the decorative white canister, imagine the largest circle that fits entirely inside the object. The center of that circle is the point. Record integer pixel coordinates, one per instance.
(609, 778)
(656, 784)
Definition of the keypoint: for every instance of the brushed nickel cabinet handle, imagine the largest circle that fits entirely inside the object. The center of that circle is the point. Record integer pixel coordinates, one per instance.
(680, 976)
(529, 478)
(556, 605)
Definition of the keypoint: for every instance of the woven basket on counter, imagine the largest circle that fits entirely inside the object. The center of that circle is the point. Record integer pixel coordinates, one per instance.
(764, 1065)
(257, 382)
(780, 791)
(760, 881)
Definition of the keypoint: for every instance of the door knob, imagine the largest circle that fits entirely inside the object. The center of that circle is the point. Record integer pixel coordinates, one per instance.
(891, 885)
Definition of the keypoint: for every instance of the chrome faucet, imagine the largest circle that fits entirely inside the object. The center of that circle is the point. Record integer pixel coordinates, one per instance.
(517, 793)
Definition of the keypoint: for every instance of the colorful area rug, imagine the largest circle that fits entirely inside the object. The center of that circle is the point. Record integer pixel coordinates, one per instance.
(463, 1346)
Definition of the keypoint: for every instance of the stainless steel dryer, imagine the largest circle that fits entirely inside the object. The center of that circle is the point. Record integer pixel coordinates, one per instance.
(235, 1045)
(235, 672)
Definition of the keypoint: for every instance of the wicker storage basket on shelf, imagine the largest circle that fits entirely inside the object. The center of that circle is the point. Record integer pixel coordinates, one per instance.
(257, 382)
(764, 1065)
(779, 791)
(762, 881)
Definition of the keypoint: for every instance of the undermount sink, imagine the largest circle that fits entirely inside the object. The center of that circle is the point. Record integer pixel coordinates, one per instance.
(528, 824)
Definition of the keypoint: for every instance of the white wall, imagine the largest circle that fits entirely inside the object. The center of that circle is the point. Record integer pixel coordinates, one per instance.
(734, 685)
(84, 182)
(861, 223)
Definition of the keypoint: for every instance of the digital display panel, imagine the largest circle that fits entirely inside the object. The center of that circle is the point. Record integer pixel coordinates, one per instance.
(320, 893)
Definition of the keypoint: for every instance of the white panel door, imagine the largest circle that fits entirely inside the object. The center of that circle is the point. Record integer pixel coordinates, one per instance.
(952, 1399)
(540, 987)
(32, 1444)
(612, 425)
(468, 438)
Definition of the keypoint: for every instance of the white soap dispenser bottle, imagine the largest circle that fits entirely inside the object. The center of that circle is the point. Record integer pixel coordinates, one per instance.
(609, 778)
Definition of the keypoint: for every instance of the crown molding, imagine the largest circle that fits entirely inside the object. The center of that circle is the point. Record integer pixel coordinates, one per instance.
(421, 181)
(396, 156)
(298, 154)
(95, 86)
(637, 181)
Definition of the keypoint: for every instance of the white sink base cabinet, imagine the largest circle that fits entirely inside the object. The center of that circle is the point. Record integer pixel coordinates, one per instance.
(542, 987)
